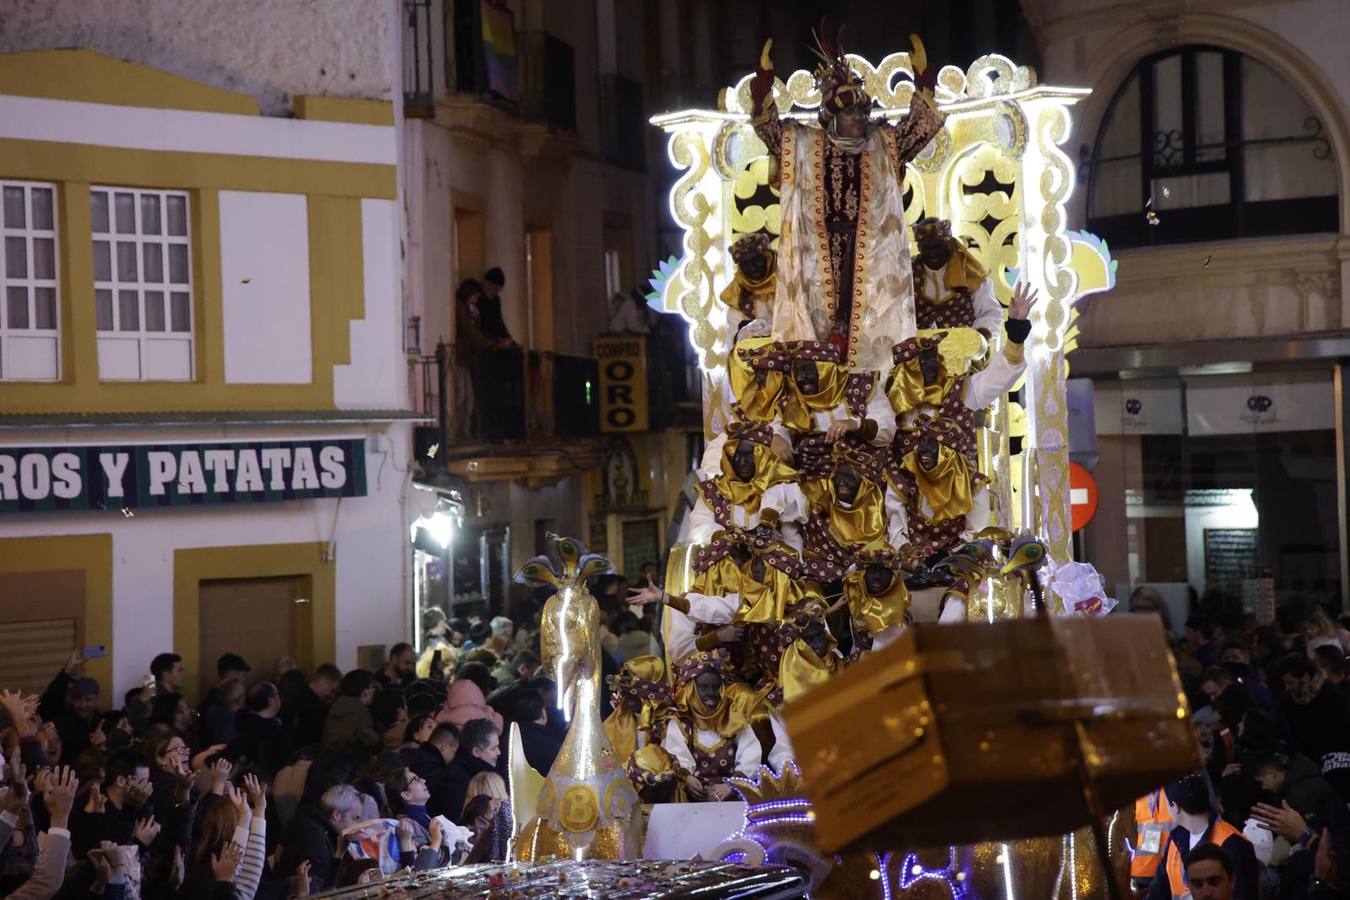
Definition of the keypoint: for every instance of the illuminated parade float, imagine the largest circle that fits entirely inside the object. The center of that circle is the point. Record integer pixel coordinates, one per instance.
(884, 675)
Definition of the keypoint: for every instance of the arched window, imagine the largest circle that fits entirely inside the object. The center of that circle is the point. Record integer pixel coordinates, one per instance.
(1201, 144)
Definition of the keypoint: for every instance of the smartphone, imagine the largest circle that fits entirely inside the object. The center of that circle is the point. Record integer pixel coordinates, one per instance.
(94, 651)
(436, 660)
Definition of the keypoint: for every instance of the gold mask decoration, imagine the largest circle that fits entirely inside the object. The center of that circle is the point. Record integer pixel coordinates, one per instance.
(862, 523)
(643, 679)
(947, 486)
(758, 402)
(765, 601)
(769, 471)
(876, 613)
(906, 389)
(797, 407)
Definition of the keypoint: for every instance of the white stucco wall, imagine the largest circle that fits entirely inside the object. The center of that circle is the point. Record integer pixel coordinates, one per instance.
(272, 49)
(264, 267)
(374, 377)
(370, 541)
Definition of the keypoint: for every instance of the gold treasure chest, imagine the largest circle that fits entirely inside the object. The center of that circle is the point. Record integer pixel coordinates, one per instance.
(963, 733)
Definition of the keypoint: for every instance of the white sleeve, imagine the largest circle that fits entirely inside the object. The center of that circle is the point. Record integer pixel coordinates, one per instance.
(675, 745)
(879, 411)
(897, 519)
(712, 610)
(786, 500)
(995, 379)
(781, 754)
(702, 523)
(749, 753)
(988, 311)
(678, 632)
(251, 864)
(710, 465)
(978, 517)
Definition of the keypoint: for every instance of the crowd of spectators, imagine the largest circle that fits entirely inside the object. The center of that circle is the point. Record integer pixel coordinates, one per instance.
(1271, 711)
(281, 783)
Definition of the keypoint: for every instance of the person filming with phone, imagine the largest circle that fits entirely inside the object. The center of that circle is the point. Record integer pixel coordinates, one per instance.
(71, 704)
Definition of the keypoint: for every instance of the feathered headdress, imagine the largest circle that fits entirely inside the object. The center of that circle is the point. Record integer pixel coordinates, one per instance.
(577, 565)
(840, 87)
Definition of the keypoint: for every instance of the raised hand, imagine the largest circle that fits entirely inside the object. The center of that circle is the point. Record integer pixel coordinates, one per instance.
(257, 797)
(12, 701)
(242, 813)
(96, 803)
(302, 879)
(224, 864)
(59, 796)
(1283, 820)
(1023, 299)
(220, 775)
(146, 831)
(76, 660)
(644, 595)
(199, 761)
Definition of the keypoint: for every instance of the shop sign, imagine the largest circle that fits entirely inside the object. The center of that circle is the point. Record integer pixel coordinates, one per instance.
(623, 383)
(137, 476)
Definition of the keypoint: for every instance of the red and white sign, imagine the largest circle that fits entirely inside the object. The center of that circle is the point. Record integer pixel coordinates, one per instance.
(1082, 495)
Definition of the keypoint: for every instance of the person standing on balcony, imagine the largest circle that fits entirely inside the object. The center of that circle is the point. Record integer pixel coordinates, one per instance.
(469, 338)
(493, 325)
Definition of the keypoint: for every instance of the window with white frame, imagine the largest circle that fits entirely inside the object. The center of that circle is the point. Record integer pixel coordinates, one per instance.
(142, 284)
(30, 345)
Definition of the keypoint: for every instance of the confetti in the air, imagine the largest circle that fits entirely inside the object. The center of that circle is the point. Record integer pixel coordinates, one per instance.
(127, 513)
(432, 450)
(1152, 217)
(245, 280)
(1208, 259)
(1166, 192)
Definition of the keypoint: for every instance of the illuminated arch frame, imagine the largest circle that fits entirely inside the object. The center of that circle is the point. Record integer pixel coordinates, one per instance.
(993, 102)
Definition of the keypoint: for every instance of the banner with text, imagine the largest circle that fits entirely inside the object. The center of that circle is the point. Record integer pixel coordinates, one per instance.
(137, 476)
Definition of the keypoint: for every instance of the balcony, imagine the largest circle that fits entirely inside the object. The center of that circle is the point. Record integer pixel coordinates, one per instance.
(548, 90)
(509, 414)
(417, 64)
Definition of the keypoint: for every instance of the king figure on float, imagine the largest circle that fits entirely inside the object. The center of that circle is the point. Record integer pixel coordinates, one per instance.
(843, 265)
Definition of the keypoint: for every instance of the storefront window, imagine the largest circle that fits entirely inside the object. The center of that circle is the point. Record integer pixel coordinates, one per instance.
(1218, 487)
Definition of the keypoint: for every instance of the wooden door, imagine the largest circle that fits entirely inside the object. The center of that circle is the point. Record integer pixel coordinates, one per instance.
(41, 621)
(261, 619)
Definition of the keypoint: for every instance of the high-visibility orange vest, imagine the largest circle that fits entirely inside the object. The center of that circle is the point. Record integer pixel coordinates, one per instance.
(1219, 832)
(1153, 823)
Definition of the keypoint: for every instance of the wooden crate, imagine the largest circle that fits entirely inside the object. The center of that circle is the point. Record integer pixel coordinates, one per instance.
(963, 733)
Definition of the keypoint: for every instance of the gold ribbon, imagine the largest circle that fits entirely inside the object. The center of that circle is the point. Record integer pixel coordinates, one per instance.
(862, 523)
(729, 718)
(623, 725)
(800, 669)
(797, 407)
(758, 402)
(764, 601)
(758, 288)
(876, 612)
(769, 471)
(721, 578)
(906, 389)
(946, 487)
